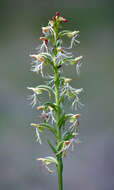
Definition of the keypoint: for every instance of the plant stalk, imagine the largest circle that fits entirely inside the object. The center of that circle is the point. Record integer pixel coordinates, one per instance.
(59, 171)
(59, 157)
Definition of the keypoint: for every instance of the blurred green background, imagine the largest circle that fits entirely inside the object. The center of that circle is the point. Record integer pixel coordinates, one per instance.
(91, 165)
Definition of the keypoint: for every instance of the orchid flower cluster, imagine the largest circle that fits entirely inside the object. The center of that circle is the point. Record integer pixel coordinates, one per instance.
(63, 126)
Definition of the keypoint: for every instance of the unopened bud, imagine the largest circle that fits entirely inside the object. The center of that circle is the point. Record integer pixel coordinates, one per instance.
(57, 13)
(65, 20)
(67, 142)
(44, 29)
(51, 22)
(78, 58)
(42, 38)
(34, 125)
(37, 57)
(53, 18)
(50, 108)
(61, 19)
(46, 41)
(67, 80)
(75, 116)
(59, 49)
(40, 107)
(44, 116)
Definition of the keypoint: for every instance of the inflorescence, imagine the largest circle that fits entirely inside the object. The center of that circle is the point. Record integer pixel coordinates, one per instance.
(64, 126)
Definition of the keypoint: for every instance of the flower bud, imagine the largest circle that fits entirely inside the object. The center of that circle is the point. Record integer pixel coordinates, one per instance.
(61, 19)
(53, 18)
(50, 108)
(42, 38)
(57, 13)
(46, 41)
(65, 20)
(67, 142)
(44, 29)
(75, 116)
(78, 59)
(37, 57)
(43, 116)
(34, 125)
(36, 90)
(40, 107)
(51, 22)
(40, 129)
(67, 80)
(59, 49)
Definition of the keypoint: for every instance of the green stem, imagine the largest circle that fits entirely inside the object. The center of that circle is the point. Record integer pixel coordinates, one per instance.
(59, 157)
(59, 171)
(56, 82)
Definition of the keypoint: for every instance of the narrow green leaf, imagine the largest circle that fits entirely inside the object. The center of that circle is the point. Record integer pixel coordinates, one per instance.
(51, 146)
(51, 129)
(54, 33)
(61, 100)
(59, 146)
(62, 121)
(59, 43)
